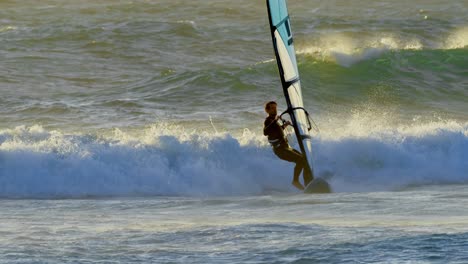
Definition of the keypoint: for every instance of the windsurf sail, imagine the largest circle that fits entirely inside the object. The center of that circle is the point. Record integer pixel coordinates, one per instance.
(281, 33)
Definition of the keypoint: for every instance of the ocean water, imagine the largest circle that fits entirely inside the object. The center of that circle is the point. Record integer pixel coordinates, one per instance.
(131, 132)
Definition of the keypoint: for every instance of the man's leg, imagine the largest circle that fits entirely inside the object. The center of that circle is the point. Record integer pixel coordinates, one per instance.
(292, 155)
(308, 177)
(307, 173)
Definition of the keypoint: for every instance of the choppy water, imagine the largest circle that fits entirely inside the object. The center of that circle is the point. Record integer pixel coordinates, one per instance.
(413, 226)
(163, 99)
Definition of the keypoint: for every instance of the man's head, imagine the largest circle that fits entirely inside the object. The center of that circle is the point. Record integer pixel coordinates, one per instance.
(270, 108)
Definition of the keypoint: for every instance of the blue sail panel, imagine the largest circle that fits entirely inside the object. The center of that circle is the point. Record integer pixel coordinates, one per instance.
(281, 25)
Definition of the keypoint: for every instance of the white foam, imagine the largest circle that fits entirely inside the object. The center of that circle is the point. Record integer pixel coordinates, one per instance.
(372, 155)
(167, 160)
(161, 160)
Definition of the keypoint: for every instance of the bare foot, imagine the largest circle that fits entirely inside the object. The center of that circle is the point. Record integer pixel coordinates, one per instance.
(298, 185)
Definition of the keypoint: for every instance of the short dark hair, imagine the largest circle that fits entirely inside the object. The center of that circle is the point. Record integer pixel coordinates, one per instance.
(267, 105)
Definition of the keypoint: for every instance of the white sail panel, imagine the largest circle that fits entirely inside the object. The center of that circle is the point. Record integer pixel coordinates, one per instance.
(289, 69)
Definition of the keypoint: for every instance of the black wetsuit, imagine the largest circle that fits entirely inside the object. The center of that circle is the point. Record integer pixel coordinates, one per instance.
(281, 148)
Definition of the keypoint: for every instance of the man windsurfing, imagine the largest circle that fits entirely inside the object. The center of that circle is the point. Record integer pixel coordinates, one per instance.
(281, 148)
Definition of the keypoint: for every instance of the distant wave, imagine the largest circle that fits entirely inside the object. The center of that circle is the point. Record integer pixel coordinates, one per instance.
(167, 160)
(458, 39)
(349, 49)
(7, 28)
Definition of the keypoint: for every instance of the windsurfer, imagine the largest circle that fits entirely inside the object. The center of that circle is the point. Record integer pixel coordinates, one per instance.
(281, 148)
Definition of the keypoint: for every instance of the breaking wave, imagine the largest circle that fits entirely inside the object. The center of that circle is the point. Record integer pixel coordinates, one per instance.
(166, 160)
